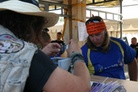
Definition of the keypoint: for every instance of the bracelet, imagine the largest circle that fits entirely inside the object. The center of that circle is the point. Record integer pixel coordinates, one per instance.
(75, 56)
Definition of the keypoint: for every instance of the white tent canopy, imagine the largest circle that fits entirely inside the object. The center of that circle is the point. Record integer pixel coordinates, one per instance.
(128, 25)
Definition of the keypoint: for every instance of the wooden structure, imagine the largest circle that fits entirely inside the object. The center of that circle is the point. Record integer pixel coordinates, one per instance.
(74, 11)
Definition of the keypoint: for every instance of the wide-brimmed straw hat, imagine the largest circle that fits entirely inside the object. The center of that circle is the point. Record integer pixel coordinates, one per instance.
(29, 7)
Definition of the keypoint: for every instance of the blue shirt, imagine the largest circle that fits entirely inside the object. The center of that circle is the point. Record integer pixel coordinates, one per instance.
(111, 63)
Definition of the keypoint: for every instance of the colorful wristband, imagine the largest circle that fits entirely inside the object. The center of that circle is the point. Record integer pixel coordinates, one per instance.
(75, 56)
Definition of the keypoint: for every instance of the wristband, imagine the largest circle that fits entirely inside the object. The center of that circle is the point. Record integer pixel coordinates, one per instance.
(75, 56)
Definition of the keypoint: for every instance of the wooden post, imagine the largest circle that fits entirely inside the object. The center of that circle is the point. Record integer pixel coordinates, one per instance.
(78, 13)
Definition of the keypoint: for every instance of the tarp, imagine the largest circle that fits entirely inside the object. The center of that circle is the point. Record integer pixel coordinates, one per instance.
(128, 25)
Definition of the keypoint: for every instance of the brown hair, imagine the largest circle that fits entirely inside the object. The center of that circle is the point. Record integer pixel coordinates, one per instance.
(59, 33)
(25, 27)
(105, 44)
(134, 38)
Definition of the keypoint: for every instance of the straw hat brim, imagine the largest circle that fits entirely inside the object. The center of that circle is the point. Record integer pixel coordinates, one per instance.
(29, 9)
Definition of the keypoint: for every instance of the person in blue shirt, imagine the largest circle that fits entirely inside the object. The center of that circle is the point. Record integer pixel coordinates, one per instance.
(106, 56)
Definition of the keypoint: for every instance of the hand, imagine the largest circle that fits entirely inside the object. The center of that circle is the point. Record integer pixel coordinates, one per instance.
(73, 46)
(52, 49)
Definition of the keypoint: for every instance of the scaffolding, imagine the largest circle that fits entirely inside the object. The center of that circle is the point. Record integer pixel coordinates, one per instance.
(53, 6)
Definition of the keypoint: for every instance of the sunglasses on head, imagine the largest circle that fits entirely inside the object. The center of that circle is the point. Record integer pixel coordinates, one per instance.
(94, 21)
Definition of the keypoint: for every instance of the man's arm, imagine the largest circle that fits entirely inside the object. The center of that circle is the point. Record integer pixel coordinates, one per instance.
(63, 81)
(132, 69)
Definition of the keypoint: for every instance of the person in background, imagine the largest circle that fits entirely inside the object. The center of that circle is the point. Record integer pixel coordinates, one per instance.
(60, 42)
(46, 39)
(134, 45)
(106, 56)
(25, 68)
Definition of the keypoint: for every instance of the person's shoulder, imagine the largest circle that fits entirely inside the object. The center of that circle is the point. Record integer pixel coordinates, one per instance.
(84, 46)
(58, 41)
(54, 41)
(122, 43)
(114, 38)
(61, 42)
(39, 54)
(117, 39)
(131, 45)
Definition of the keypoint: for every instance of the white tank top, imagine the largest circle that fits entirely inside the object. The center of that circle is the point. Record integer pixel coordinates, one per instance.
(15, 59)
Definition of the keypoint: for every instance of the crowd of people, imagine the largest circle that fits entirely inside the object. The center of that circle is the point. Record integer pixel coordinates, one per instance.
(25, 51)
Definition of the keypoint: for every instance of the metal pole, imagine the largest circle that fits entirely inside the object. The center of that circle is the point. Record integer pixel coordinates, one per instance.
(70, 18)
(121, 17)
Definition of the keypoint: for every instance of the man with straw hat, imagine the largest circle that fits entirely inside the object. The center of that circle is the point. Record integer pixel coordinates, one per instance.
(23, 67)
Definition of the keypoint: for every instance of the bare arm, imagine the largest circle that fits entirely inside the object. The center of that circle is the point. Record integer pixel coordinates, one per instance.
(132, 68)
(63, 81)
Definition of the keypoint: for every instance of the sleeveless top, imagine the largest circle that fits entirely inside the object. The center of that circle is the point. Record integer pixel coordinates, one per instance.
(15, 59)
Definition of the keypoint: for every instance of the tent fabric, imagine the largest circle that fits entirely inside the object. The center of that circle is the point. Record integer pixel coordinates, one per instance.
(127, 25)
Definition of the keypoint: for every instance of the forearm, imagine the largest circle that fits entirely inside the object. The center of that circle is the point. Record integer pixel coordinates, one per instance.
(132, 68)
(81, 70)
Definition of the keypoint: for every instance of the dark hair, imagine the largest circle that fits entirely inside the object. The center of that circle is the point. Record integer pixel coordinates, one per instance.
(25, 27)
(59, 33)
(105, 44)
(134, 38)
